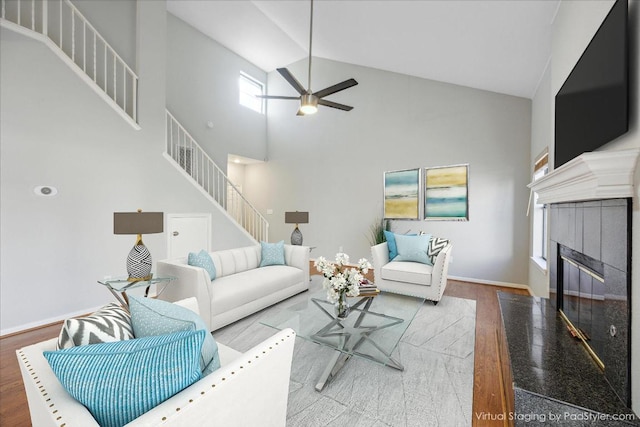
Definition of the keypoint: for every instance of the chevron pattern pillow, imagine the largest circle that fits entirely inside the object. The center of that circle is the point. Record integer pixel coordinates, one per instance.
(111, 323)
(436, 244)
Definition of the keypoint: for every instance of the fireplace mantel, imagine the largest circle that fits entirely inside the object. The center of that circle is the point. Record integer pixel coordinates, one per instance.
(591, 176)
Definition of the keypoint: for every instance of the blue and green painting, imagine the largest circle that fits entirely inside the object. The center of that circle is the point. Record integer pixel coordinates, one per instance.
(446, 193)
(401, 193)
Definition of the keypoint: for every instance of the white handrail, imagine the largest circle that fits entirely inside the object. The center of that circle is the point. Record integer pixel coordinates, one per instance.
(191, 158)
(71, 39)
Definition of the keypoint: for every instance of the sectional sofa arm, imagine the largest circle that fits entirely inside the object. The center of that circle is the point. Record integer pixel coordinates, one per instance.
(190, 282)
(297, 256)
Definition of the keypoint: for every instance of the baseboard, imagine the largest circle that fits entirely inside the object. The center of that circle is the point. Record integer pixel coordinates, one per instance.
(491, 282)
(45, 322)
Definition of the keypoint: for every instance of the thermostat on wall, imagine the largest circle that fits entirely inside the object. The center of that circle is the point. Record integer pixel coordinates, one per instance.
(45, 190)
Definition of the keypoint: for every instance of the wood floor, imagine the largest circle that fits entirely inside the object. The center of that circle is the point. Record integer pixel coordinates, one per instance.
(487, 395)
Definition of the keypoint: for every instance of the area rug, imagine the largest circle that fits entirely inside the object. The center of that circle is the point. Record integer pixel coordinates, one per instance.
(435, 388)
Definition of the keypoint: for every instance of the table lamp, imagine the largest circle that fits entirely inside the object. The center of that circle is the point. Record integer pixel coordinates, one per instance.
(139, 259)
(296, 218)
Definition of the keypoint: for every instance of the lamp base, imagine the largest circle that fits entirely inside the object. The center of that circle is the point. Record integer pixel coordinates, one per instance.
(296, 237)
(139, 263)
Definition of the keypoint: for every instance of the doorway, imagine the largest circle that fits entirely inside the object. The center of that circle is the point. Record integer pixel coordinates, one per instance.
(188, 233)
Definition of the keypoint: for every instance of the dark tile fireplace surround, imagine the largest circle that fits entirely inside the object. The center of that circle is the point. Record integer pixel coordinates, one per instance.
(596, 236)
(551, 372)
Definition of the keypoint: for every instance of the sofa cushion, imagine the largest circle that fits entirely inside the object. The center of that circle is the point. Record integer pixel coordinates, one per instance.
(233, 291)
(413, 248)
(151, 317)
(408, 272)
(119, 381)
(110, 323)
(232, 261)
(202, 259)
(272, 253)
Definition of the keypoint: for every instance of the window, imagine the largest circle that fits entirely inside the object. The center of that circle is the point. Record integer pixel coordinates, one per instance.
(249, 88)
(540, 226)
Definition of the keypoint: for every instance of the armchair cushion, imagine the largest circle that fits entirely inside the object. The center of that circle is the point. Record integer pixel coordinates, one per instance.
(111, 323)
(413, 248)
(391, 244)
(407, 272)
(436, 244)
(151, 317)
(119, 381)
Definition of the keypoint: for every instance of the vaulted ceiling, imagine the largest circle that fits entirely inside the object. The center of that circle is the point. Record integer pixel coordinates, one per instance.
(497, 45)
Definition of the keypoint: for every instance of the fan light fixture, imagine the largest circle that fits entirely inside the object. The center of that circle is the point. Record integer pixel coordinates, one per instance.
(309, 104)
(309, 100)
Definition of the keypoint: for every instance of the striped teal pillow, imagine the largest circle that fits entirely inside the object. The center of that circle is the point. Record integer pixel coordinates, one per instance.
(119, 381)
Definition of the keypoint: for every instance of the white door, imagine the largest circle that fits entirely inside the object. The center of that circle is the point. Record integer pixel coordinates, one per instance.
(188, 233)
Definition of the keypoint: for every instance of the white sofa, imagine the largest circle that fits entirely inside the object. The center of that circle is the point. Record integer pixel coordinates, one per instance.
(250, 389)
(411, 278)
(241, 287)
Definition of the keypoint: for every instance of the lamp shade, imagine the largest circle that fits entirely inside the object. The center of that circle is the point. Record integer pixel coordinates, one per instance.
(296, 217)
(138, 222)
(139, 260)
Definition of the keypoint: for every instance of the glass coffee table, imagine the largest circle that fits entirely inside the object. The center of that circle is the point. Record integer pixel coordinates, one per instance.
(372, 330)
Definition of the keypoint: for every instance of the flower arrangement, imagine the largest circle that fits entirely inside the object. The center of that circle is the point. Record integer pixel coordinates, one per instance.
(340, 279)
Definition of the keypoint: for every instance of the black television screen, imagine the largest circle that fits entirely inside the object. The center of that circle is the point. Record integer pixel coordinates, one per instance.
(592, 104)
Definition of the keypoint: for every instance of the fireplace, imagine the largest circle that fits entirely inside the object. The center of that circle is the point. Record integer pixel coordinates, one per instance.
(590, 281)
(589, 259)
(582, 299)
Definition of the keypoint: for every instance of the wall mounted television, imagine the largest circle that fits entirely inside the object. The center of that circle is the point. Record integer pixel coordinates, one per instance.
(592, 106)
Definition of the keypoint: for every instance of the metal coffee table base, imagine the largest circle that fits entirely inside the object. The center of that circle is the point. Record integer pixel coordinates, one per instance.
(351, 337)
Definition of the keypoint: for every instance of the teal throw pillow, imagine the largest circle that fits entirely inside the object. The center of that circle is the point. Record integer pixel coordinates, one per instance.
(272, 253)
(121, 380)
(202, 259)
(391, 244)
(150, 317)
(413, 248)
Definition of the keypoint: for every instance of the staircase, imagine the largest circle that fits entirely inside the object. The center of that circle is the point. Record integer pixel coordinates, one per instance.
(61, 26)
(186, 155)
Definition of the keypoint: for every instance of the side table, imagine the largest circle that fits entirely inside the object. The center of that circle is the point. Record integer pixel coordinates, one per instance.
(119, 286)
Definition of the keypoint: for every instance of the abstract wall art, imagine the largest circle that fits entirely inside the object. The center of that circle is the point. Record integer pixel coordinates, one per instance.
(402, 194)
(446, 194)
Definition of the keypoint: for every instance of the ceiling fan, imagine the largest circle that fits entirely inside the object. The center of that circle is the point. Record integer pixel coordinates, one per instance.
(309, 101)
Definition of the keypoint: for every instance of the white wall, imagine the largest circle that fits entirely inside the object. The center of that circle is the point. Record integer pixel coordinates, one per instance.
(202, 86)
(103, 14)
(573, 28)
(541, 138)
(56, 131)
(331, 164)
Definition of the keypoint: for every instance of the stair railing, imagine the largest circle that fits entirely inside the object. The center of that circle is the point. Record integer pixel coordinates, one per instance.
(62, 23)
(191, 158)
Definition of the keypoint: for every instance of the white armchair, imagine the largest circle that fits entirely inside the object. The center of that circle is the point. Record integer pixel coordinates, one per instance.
(249, 389)
(411, 278)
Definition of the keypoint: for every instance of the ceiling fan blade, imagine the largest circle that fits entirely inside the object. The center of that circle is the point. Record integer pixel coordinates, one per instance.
(334, 105)
(300, 113)
(277, 97)
(292, 80)
(336, 88)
